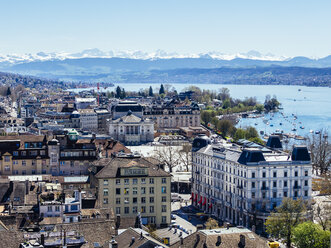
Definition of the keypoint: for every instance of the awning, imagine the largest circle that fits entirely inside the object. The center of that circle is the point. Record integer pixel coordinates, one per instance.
(205, 201)
(200, 200)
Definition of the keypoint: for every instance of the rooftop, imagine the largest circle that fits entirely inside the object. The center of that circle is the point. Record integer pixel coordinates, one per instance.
(111, 166)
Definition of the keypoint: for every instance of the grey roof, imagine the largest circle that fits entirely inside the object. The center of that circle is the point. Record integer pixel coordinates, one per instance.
(111, 167)
(77, 179)
(128, 119)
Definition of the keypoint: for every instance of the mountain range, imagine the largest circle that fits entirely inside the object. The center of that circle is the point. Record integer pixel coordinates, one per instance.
(137, 66)
(159, 54)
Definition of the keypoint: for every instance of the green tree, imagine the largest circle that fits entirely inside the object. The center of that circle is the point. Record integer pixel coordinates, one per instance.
(251, 133)
(224, 126)
(161, 91)
(8, 92)
(206, 116)
(150, 92)
(281, 223)
(123, 94)
(239, 134)
(118, 92)
(226, 104)
(211, 223)
(308, 234)
(259, 108)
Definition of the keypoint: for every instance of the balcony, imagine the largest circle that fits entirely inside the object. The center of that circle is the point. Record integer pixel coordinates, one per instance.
(264, 188)
(296, 187)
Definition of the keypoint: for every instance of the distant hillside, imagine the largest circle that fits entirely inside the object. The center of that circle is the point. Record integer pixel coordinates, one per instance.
(296, 71)
(12, 80)
(91, 68)
(260, 75)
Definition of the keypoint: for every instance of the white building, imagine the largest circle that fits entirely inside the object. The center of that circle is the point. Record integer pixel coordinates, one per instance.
(131, 129)
(241, 185)
(51, 209)
(69, 211)
(88, 120)
(84, 103)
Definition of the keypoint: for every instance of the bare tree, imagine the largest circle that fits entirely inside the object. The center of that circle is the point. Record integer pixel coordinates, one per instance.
(167, 87)
(185, 156)
(167, 155)
(320, 152)
(323, 215)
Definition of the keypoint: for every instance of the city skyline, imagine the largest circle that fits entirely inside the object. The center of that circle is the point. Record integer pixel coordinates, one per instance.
(298, 28)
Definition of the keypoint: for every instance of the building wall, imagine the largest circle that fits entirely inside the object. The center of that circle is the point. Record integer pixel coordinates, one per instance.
(108, 198)
(89, 121)
(174, 119)
(142, 132)
(240, 193)
(51, 210)
(9, 165)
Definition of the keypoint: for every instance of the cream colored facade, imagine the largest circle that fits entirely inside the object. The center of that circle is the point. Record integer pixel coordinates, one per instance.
(130, 195)
(9, 165)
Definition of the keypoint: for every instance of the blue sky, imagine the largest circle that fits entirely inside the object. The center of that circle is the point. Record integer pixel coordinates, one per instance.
(290, 28)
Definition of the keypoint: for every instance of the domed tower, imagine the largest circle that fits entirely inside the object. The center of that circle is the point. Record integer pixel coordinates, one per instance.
(200, 142)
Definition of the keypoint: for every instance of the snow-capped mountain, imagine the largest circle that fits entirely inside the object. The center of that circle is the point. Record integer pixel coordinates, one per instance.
(158, 54)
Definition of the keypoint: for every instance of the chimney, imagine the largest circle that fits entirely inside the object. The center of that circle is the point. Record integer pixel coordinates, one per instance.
(242, 242)
(118, 221)
(26, 187)
(219, 240)
(113, 243)
(42, 239)
(133, 239)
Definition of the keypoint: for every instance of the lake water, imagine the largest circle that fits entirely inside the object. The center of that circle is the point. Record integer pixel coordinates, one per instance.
(311, 105)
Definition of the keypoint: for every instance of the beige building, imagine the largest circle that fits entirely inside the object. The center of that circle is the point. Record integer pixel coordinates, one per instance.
(24, 155)
(172, 116)
(131, 185)
(131, 129)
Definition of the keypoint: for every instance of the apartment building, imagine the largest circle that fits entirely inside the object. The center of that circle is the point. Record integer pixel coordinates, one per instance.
(88, 120)
(132, 184)
(103, 116)
(242, 185)
(24, 155)
(173, 115)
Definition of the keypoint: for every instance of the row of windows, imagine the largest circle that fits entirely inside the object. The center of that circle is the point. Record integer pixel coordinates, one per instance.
(56, 209)
(23, 172)
(126, 181)
(285, 194)
(135, 209)
(135, 200)
(135, 191)
(285, 174)
(285, 184)
(24, 153)
(78, 154)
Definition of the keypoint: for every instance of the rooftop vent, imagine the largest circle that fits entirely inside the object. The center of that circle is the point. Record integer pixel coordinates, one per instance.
(251, 156)
(274, 142)
(300, 153)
